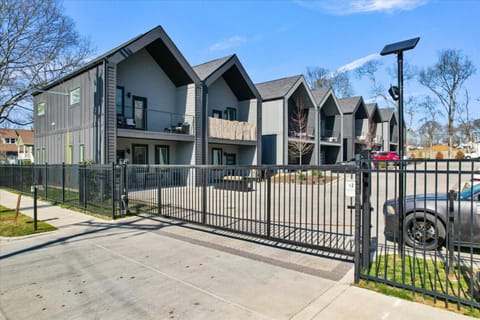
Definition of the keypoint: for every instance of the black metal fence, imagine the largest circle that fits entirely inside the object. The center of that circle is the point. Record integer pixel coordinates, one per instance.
(432, 245)
(90, 187)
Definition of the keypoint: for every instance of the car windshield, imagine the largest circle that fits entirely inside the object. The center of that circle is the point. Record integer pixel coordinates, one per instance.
(467, 189)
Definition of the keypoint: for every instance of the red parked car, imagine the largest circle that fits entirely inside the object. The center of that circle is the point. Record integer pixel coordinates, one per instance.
(385, 156)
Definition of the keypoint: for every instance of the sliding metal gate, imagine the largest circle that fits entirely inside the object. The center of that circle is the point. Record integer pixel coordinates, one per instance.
(309, 206)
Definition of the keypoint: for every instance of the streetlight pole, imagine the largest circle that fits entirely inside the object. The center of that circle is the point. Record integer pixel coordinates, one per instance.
(397, 94)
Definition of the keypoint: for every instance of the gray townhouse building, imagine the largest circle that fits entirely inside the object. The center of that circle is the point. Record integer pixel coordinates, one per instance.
(331, 126)
(232, 111)
(286, 102)
(355, 126)
(388, 129)
(143, 103)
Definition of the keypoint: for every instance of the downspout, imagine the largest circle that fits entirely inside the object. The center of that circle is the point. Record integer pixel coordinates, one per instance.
(204, 124)
(259, 131)
(317, 134)
(340, 157)
(285, 131)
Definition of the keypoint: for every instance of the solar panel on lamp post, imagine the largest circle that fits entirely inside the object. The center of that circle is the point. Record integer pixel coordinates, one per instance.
(398, 48)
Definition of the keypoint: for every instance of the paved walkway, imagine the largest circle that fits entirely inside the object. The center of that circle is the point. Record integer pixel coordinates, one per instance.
(155, 268)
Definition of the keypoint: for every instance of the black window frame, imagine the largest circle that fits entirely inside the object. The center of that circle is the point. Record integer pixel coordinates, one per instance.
(144, 112)
(227, 155)
(220, 150)
(123, 101)
(134, 146)
(157, 158)
(227, 113)
(217, 112)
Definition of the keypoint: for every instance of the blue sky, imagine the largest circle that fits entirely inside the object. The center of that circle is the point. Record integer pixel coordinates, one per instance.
(275, 39)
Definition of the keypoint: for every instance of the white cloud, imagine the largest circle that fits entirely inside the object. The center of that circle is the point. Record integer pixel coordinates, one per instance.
(229, 43)
(346, 7)
(358, 63)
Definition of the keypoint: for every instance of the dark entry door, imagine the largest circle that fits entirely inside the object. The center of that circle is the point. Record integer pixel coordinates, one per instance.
(140, 112)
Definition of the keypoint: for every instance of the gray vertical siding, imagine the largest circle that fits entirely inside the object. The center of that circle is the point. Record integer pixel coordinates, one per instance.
(64, 124)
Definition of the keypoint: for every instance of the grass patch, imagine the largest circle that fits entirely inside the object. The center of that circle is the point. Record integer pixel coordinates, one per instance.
(103, 212)
(426, 274)
(23, 227)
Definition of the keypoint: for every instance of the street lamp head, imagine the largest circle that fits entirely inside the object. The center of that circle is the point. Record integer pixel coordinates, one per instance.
(400, 46)
(394, 92)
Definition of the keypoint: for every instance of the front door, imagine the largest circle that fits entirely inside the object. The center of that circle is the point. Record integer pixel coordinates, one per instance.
(140, 112)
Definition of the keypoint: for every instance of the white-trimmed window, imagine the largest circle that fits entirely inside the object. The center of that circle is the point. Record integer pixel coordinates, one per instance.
(162, 155)
(74, 96)
(41, 109)
(81, 153)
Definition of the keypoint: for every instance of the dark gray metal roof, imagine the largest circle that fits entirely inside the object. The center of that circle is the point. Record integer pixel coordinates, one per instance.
(350, 104)
(233, 73)
(386, 114)
(276, 89)
(204, 70)
(373, 112)
(371, 108)
(160, 47)
(320, 94)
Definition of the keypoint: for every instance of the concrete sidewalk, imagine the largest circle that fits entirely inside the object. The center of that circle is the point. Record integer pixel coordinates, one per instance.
(155, 268)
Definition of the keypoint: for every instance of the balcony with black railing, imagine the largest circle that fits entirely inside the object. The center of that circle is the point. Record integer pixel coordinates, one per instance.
(158, 121)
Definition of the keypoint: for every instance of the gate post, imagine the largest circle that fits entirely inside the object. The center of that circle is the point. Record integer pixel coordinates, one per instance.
(366, 207)
(114, 206)
(159, 191)
(204, 194)
(123, 190)
(269, 199)
(358, 226)
(362, 212)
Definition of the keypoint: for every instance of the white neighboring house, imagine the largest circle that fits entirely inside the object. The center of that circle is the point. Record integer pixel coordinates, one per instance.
(474, 151)
(16, 145)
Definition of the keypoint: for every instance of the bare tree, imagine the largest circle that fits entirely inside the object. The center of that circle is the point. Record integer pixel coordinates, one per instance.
(466, 125)
(369, 70)
(299, 144)
(410, 106)
(430, 124)
(318, 77)
(444, 79)
(37, 44)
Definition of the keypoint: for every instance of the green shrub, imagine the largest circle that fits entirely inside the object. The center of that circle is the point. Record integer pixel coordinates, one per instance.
(317, 173)
(302, 176)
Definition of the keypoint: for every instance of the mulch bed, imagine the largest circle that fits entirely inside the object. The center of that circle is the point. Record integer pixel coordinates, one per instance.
(302, 178)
